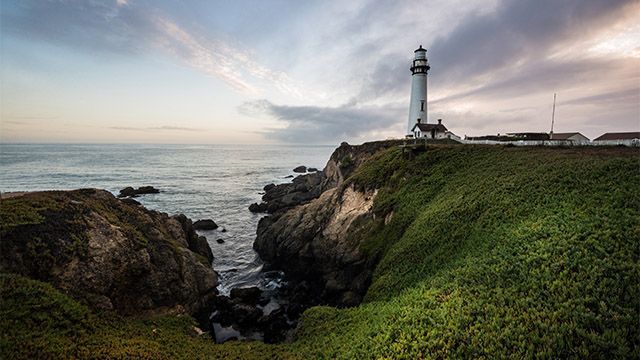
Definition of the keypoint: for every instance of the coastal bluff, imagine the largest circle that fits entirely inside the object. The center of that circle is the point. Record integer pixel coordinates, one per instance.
(108, 253)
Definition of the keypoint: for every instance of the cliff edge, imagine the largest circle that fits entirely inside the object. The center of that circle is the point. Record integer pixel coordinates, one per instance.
(109, 253)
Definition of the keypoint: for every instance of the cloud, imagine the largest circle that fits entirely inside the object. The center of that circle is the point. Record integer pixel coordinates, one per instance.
(317, 124)
(154, 128)
(125, 28)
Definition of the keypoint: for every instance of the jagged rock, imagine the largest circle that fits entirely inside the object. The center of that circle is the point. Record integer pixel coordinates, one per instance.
(196, 243)
(248, 295)
(110, 254)
(300, 169)
(258, 208)
(310, 233)
(206, 224)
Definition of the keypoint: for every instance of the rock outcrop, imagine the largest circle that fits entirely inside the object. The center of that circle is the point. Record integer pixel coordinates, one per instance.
(108, 253)
(313, 230)
(131, 192)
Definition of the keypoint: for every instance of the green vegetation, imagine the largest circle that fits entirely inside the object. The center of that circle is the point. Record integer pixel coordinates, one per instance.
(487, 252)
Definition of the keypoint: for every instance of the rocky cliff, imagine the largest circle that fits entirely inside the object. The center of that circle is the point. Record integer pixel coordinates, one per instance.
(313, 230)
(110, 253)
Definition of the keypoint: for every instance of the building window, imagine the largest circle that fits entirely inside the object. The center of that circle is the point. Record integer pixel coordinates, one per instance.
(421, 105)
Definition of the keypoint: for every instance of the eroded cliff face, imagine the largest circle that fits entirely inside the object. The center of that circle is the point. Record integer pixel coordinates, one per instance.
(108, 253)
(315, 241)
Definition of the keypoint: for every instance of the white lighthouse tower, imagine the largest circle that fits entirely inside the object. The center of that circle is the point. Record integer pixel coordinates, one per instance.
(418, 104)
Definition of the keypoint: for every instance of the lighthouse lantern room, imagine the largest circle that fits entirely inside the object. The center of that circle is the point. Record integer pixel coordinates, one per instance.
(418, 103)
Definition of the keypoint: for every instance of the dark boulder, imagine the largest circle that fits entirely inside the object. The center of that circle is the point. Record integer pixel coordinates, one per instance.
(131, 192)
(300, 169)
(147, 190)
(268, 187)
(288, 176)
(206, 224)
(128, 191)
(220, 241)
(258, 208)
(246, 315)
(312, 169)
(248, 295)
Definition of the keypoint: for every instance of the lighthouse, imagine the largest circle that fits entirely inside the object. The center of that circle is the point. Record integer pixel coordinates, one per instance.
(418, 103)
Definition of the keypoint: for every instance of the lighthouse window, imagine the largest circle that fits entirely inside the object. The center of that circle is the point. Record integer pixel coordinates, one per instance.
(421, 105)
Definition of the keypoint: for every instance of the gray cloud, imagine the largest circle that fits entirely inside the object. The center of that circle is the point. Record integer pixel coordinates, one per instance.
(317, 124)
(519, 31)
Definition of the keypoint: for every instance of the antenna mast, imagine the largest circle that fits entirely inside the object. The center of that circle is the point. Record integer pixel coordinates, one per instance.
(553, 116)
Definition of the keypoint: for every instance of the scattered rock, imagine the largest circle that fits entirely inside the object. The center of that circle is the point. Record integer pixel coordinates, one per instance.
(206, 224)
(220, 241)
(300, 169)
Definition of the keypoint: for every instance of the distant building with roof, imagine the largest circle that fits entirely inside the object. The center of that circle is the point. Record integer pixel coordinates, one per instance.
(620, 138)
(570, 136)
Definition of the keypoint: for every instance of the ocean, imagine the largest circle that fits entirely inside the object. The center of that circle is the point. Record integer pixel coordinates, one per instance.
(201, 181)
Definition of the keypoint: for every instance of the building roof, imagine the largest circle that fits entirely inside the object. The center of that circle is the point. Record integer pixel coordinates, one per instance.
(619, 136)
(429, 127)
(420, 49)
(565, 136)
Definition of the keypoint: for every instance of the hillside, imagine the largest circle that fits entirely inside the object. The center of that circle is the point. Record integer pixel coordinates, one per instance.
(476, 252)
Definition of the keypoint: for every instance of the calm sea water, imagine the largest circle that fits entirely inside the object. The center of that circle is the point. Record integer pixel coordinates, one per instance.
(200, 181)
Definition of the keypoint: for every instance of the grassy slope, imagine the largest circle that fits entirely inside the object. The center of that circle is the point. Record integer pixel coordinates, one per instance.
(491, 251)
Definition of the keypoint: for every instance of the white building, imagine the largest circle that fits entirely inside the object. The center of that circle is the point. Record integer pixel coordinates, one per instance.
(574, 137)
(624, 138)
(432, 131)
(418, 103)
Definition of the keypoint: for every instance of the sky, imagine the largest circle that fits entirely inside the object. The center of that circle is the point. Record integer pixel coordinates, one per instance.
(311, 72)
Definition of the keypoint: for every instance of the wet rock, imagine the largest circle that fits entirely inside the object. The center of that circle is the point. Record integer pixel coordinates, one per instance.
(312, 169)
(288, 176)
(206, 224)
(268, 187)
(220, 241)
(246, 315)
(258, 208)
(248, 295)
(300, 169)
(131, 192)
(223, 230)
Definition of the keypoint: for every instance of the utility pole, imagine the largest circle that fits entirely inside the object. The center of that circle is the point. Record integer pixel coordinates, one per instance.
(553, 116)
